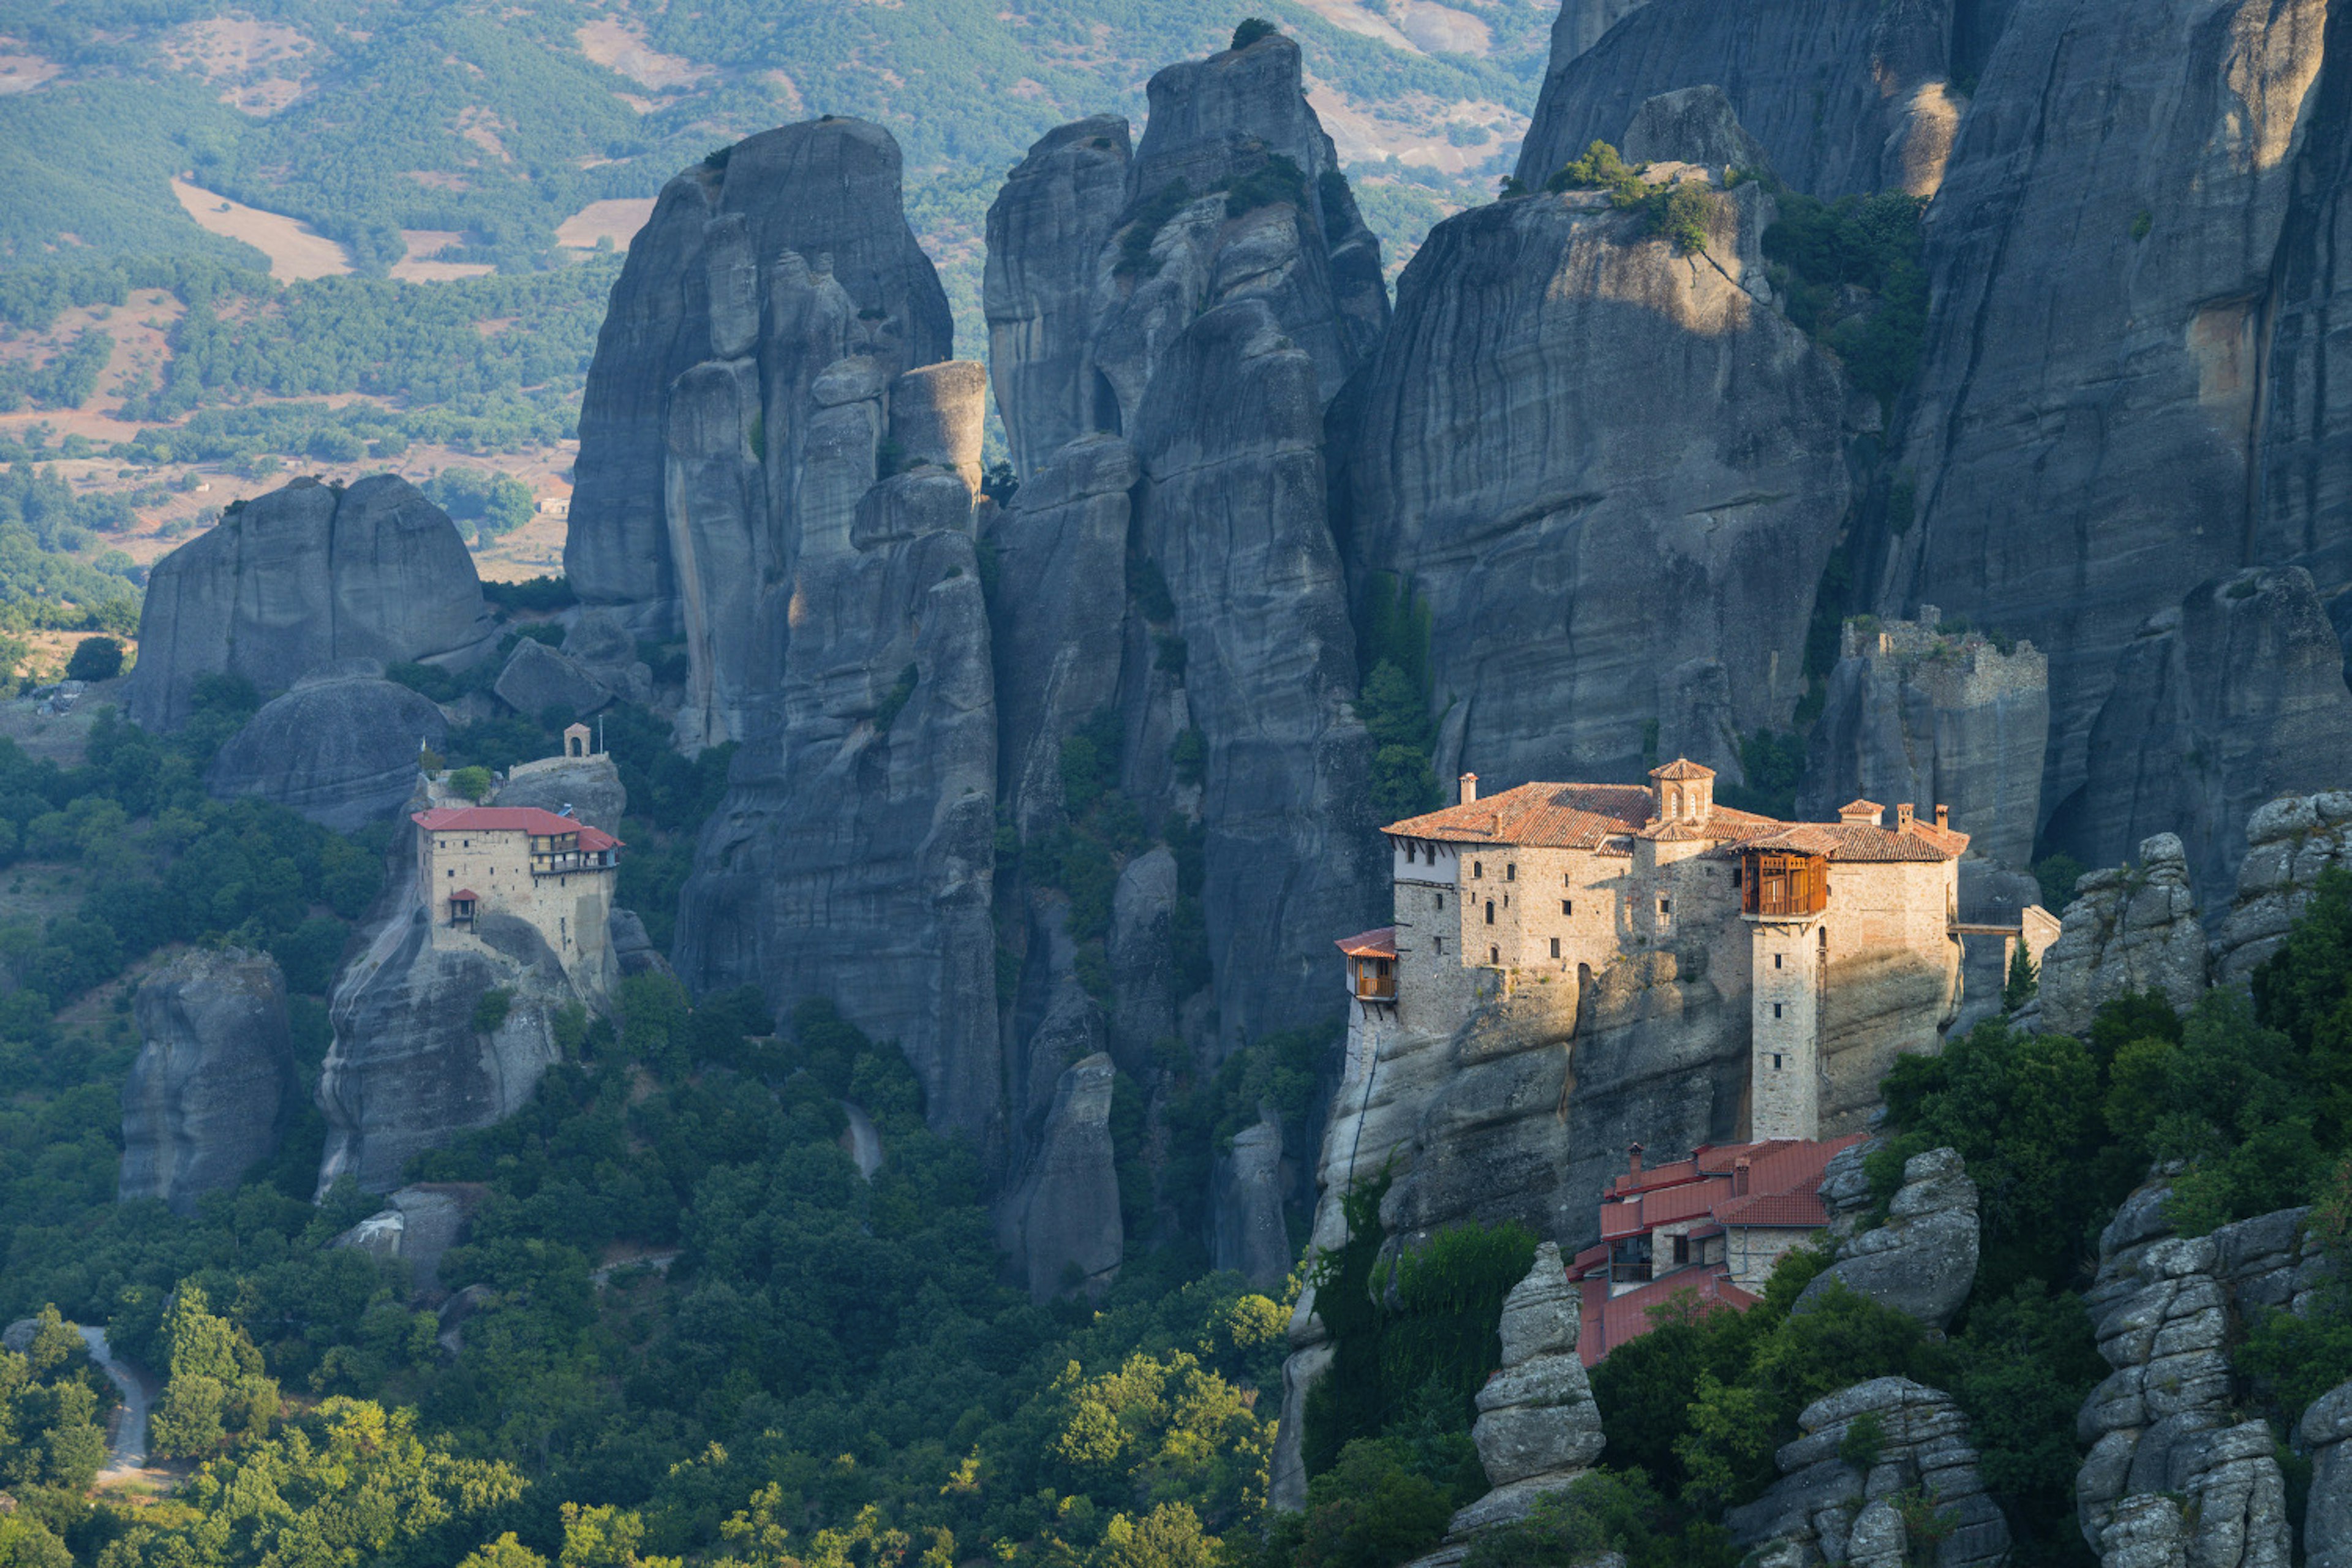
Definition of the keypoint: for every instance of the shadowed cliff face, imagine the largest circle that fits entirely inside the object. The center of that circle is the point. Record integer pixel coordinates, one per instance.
(2105, 260)
(1611, 472)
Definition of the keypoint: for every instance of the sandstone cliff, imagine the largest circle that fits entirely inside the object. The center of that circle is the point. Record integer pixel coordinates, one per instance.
(1612, 472)
(2103, 257)
(301, 577)
(214, 1083)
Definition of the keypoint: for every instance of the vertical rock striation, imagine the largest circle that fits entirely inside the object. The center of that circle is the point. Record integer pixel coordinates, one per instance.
(1062, 1221)
(209, 1097)
(300, 578)
(2131, 929)
(1613, 473)
(2102, 258)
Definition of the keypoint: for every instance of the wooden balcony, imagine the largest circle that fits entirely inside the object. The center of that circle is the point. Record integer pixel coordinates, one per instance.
(1775, 885)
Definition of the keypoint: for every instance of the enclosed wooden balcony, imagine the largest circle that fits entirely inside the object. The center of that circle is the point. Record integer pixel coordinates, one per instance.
(1372, 965)
(1776, 884)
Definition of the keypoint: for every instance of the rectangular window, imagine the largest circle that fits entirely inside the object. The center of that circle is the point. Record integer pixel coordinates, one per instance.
(1665, 906)
(1776, 1061)
(1682, 1249)
(1440, 900)
(1494, 955)
(1441, 945)
(1555, 947)
(1735, 875)
(1478, 868)
(1567, 906)
(1776, 1009)
(1776, 961)
(1511, 871)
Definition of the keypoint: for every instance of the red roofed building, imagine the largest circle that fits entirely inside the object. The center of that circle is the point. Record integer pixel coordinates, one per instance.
(1838, 942)
(1713, 1225)
(476, 863)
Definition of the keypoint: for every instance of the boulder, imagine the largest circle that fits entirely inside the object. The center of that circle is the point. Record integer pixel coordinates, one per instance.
(1692, 125)
(2130, 930)
(536, 677)
(295, 580)
(417, 1226)
(214, 1087)
(341, 749)
(1063, 1221)
(634, 951)
(1922, 1261)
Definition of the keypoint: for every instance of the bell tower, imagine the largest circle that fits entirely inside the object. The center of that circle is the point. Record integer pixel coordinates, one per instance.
(1684, 791)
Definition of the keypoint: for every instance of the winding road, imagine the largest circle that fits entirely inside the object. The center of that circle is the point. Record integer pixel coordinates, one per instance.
(128, 1452)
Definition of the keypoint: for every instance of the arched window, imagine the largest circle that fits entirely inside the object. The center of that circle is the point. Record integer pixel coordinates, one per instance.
(1490, 912)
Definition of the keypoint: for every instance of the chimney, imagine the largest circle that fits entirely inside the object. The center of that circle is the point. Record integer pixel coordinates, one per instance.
(1943, 816)
(1469, 788)
(1903, 816)
(1739, 1178)
(1633, 1161)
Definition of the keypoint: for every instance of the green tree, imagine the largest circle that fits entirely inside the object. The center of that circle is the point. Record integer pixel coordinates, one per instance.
(216, 1387)
(473, 783)
(95, 659)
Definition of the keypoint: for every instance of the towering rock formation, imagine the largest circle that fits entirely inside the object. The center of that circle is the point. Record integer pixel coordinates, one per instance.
(1537, 1428)
(2105, 259)
(778, 466)
(296, 580)
(696, 292)
(1062, 1221)
(1923, 1260)
(2129, 930)
(1614, 474)
(1168, 327)
(1914, 714)
(2289, 843)
(341, 748)
(213, 1085)
(1845, 95)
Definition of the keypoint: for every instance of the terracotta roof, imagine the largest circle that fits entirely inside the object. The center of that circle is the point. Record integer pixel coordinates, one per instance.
(529, 819)
(1380, 943)
(1858, 806)
(467, 895)
(1783, 1209)
(1610, 1321)
(1548, 816)
(1860, 842)
(1682, 768)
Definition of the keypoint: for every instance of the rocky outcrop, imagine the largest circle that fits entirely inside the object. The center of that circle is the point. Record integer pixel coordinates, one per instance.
(1922, 1261)
(2328, 1518)
(2173, 1473)
(1840, 1497)
(2289, 843)
(1247, 1231)
(538, 677)
(699, 290)
(1581, 25)
(587, 787)
(2225, 702)
(295, 580)
(1062, 1224)
(341, 749)
(213, 1085)
(1537, 1428)
(418, 1224)
(2129, 930)
(1691, 125)
(1845, 95)
(2102, 278)
(1612, 473)
(1916, 714)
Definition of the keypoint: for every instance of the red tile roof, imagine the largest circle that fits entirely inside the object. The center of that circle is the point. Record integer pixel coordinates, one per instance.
(1786, 1210)
(466, 895)
(1862, 841)
(1609, 1321)
(1683, 768)
(1586, 816)
(529, 819)
(1380, 943)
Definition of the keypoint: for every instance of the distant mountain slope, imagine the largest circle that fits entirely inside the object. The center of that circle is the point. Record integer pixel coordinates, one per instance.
(470, 131)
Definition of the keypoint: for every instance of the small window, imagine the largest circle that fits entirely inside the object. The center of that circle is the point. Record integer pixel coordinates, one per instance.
(452, 871)
(1665, 906)
(1776, 1013)
(1567, 906)
(1478, 868)
(1440, 900)
(1776, 1061)
(1494, 955)
(1441, 945)
(1490, 912)
(1735, 875)
(1776, 961)
(1511, 871)
(1411, 852)
(1682, 1249)
(1555, 947)
(1568, 878)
